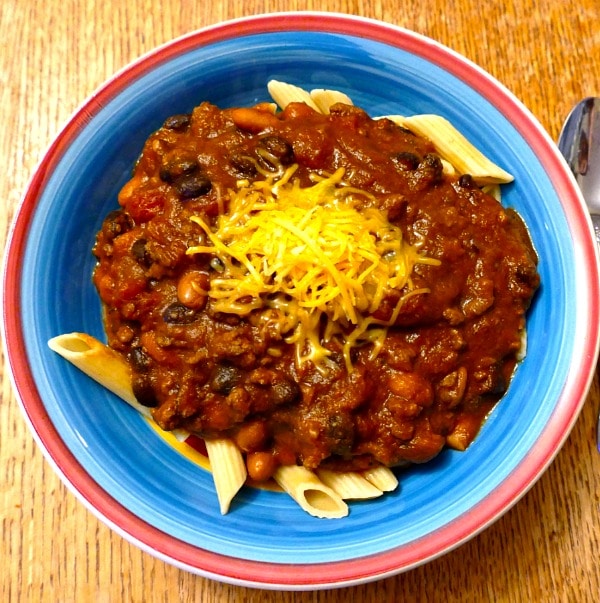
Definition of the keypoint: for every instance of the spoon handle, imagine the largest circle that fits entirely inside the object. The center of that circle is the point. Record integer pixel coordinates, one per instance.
(596, 225)
(580, 146)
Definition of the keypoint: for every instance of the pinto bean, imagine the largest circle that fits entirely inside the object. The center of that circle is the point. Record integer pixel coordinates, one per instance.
(252, 436)
(260, 465)
(192, 289)
(451, 389)
(253, 120)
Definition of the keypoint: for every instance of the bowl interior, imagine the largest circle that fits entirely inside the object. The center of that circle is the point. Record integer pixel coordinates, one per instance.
(156, 485)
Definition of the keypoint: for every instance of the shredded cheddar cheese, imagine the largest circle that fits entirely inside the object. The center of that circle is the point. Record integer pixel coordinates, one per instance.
(309, 256)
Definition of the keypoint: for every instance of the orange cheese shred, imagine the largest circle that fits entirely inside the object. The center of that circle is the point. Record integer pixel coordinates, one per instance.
(308, 254)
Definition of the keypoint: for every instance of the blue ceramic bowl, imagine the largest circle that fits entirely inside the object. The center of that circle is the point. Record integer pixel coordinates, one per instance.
(153, 496)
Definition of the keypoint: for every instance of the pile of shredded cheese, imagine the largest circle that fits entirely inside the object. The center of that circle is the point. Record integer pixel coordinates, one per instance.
(311, 259)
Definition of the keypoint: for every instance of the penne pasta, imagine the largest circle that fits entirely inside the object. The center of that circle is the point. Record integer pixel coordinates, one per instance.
(324, 99)
(99, 362)
(448, 168)
(310, 493)
(228, 469)
(456, 149)
(493, 190)
(181, 435)
(350, 485)
(459, 439)
(472, 161)
(284, 94)
(382, 478)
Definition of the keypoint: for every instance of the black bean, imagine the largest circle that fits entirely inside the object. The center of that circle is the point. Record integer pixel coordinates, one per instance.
(285, 392)
(140, 252)
(143, 391)
(116, 223)
(179, 314)
(177, 122)
(278, 147)
(139, 359)
(193, 185)
(466, 181)
(406, 160)
(243, 165)
(174, 170)
(224, 378)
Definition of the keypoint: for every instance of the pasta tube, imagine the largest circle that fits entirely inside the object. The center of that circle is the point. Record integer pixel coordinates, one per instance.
(324, 99)
(456, 149)
(99, 362)
(349, 485)
(319, 99)
(310, 493)
(381, 477)
(284, 94)
(228, 469)
(493, 190)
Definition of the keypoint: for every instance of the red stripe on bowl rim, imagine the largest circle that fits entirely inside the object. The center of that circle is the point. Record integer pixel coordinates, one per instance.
(363, 569)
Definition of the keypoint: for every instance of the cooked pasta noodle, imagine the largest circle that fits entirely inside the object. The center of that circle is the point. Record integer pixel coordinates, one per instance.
(324, 99)
(453, 146)
(228, 469)
(284, 94)
(349, 485)
(310, 493)
(99, 362)
(382, 478)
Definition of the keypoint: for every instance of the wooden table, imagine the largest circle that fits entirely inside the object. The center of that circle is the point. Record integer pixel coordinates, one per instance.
(53, 55)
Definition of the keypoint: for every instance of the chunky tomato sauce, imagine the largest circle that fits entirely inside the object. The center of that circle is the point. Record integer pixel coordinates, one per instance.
(445, 362)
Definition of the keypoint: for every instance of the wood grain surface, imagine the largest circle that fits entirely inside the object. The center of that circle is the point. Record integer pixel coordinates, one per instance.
(54, 54)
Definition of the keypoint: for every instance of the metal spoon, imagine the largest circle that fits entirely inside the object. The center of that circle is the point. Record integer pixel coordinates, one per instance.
(579, 142)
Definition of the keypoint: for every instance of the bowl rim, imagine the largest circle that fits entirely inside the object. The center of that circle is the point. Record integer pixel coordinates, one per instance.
(320, 575)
